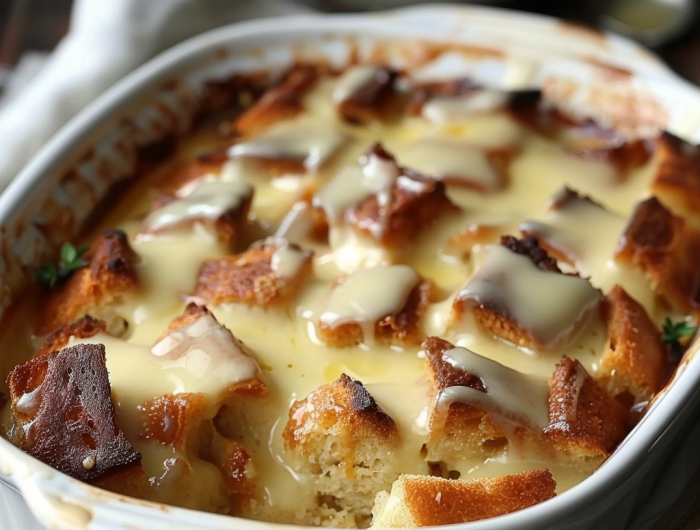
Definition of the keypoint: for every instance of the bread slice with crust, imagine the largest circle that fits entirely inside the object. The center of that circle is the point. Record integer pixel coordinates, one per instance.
(666, 249)
(256, 276)
(418, 501)
(635, 360)
(109, 276)
(585, 422)
(343, 441)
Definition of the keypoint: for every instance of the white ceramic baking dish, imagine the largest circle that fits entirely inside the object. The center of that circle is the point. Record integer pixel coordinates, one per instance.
(590, 74)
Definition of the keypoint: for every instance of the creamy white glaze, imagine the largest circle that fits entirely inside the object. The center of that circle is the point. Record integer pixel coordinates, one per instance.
(441, 109)
(297, 141)
(521, 291)
(288, 260)
(370, 294)
(207, 201)
(518, 397)
(355, 79)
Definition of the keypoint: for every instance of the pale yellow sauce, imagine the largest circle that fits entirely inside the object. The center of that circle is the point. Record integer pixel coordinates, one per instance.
(284, 341)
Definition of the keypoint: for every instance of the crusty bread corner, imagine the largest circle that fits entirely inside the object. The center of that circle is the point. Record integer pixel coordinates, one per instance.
(345, 444)
(667, 250)
(418, 501)
(585, 422)
(416, 202)
(375, 101)
(109, 276)
(82, 328)
(635, 360)
(403, 329)
(255, 386)
(461, 430)
(677, 179)
(249, 278)
(227, 228)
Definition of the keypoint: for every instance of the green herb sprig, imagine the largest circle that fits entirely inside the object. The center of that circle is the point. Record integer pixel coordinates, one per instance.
(50, 274)
(676, 335)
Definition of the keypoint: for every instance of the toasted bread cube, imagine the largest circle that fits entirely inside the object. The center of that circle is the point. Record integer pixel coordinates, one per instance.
(365, 93)
(443, 101)
(63, 412)
(195, 334)
(667, 250)
(220, 208)
(505, 297)
(345, 443)
(187, 174)
(413, 202)
(417, 501)
(82, 328)
(677, 179)
(109, 276)
(635, 360)
(479, 407)
(396, 320)
(236, 467)
(461, 429)
(279, 103)
(461, 244)
(586, 424)
(584, 139)
(268, 273)
(170, 419)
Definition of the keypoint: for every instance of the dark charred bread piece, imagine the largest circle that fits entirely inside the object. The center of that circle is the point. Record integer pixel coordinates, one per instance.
(677, 179)
(667, 250)
(345, 443)
(366, 93)
(109, 276)
(490, 297)
(401, 329)
(585, 423)
(228, 204)
(461, 429)
(197, 328)
(530, 248)
(415, 201)
(82, 328)
(634, 362)
(63, 412)
(265, 274)
(284, 101)
(418, 501)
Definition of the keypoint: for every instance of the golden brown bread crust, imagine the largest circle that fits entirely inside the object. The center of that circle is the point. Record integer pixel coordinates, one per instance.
(248, 277)
(585, 422)
(343, 408)
(403, 329)
(635, 360)
(584, 139)
(424, 92)
(373, 102)
(284, 101)
(171, 418)
(227, 226)
(192, 312)
(677, 179)
(82, 328)
(236, 468)
(667, 250)
(432, 501)
(191, 171)
(109, 275)
(415, 202)
(63, 412)
(461, 429)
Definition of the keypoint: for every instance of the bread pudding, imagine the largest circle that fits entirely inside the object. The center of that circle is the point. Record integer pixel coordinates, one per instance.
(351, 298)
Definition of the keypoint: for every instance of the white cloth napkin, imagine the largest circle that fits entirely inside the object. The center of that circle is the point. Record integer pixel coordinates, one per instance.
(108, 39)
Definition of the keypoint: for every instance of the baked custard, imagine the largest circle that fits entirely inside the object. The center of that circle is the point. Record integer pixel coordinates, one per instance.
(355, 299)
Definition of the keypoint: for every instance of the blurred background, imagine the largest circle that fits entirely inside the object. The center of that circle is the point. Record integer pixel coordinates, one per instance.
(29, 29)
